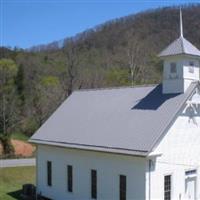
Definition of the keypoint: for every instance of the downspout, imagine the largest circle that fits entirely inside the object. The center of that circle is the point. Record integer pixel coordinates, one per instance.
(149, 179)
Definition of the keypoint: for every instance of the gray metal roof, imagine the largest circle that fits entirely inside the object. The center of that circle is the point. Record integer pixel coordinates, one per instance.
(121, 120)
(180, 46)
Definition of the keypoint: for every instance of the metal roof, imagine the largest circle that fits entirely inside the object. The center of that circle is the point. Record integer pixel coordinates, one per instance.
(124, 120)
(180, 46)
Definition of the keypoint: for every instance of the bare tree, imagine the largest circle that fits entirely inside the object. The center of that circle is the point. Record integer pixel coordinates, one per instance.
(72, 66)
(135, 55)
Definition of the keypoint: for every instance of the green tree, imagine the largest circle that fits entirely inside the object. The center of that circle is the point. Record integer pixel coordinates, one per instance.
(118, 76)
(20, 83)
(8, 102)
(47, 98)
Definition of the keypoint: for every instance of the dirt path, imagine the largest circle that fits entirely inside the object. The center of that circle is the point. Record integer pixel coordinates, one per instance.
(21, 148)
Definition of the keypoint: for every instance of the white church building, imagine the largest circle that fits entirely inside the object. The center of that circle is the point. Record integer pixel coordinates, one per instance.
(129, 143)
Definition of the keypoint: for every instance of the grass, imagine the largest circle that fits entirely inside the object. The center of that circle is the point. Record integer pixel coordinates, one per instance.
(19, 136)
(12, 179)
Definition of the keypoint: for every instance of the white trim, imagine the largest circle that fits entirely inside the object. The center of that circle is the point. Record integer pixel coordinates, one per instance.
(191, 175)
(128, 152)
(36, 181)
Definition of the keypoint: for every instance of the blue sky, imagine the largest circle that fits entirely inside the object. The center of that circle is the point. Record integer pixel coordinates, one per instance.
(24, 23)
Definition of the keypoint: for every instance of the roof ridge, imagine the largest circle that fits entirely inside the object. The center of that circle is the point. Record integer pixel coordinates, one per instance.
(113, 88)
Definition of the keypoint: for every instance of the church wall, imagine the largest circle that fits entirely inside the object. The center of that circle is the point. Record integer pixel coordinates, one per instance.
(108, 166)
(180, 150)
(179, 82)
(173, 83)
(189, 75)
(186, 69)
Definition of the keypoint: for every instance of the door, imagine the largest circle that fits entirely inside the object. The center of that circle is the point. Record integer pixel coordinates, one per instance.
(190, 188)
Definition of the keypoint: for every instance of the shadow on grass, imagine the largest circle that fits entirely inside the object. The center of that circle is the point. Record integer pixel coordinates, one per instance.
(15, 194)
(18, 195)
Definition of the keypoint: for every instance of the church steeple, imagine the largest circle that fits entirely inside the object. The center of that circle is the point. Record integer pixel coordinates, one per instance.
(181, 64)
(180, 45)
(181, 24)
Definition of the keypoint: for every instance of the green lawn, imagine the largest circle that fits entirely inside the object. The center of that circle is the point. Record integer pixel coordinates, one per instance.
(12, 179)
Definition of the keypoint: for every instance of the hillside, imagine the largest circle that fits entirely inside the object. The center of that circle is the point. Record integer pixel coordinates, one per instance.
(104, 56)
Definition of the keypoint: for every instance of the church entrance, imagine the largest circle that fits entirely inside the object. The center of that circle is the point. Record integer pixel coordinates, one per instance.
(190, 188)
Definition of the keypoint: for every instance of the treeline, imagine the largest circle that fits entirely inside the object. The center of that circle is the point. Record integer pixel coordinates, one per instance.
(120, 52)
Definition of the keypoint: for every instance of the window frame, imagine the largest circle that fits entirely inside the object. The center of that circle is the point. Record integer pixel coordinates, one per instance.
(191, 172)
(93, 184)
(122, 187)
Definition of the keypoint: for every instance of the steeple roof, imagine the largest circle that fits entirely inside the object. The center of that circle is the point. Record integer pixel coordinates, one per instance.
(180, 46)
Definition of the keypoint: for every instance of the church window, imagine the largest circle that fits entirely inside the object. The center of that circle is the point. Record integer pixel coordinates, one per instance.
(173, 69)
(49, 173)
(191, 67)
(122, 187)
(93, 184)
(70, 178)
(167, 187)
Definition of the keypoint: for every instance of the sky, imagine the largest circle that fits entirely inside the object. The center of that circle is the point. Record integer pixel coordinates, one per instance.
(25, 23)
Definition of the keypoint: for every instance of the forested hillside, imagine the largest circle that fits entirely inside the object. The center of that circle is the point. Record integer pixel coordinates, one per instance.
(117, 53)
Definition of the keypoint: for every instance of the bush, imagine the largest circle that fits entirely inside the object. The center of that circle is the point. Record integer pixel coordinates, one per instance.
(29, 126)
(6, 144)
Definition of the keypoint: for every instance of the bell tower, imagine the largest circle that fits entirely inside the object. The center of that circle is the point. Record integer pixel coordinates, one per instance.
(181, 64)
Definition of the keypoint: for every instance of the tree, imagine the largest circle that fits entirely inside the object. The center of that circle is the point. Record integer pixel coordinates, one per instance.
(8, 102)
(20, 83)
(72, 65)
(47, 97)
(135, 56)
